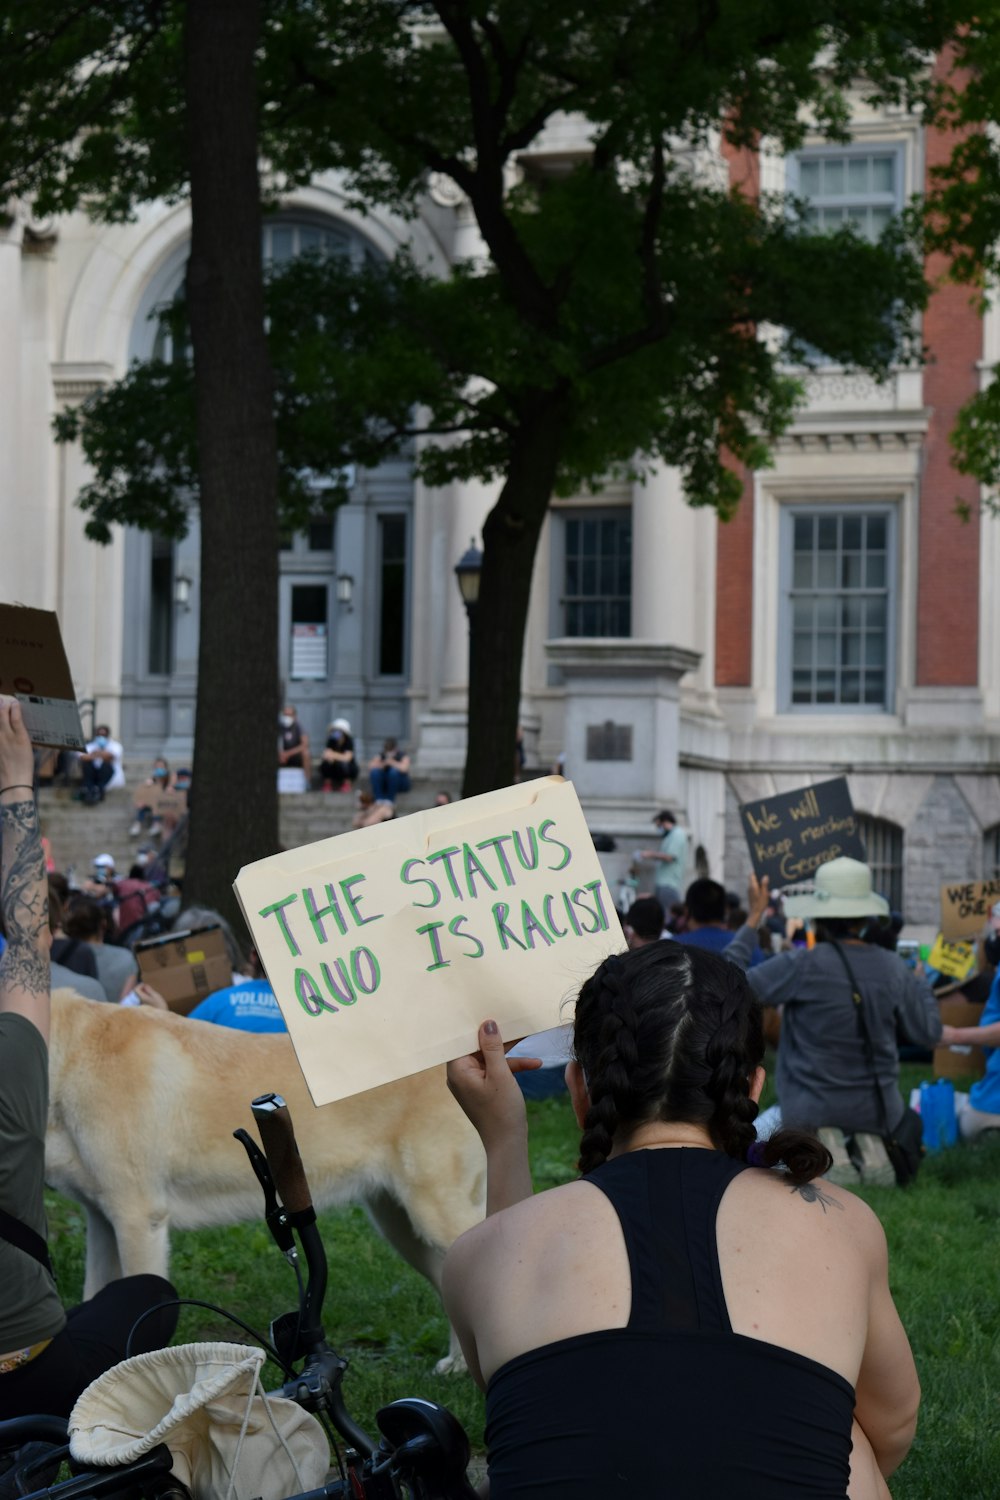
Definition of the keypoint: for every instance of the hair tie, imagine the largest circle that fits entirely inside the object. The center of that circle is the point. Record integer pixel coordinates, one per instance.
(755, 1153)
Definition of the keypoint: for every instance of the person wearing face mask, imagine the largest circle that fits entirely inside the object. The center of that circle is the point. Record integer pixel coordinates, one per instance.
(101, 766)
(981, 1111)
(293, 744)
(161, 779)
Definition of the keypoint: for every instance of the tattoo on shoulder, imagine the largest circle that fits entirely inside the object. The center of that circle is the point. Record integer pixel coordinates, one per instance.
(812, 1193)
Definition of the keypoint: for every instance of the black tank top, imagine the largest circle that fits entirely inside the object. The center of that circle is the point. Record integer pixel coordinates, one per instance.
(675, 1406)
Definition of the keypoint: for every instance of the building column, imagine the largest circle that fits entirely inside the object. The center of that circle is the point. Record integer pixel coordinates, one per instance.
(13, 515)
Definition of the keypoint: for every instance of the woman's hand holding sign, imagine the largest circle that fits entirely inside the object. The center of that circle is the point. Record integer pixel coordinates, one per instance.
(484, 1085)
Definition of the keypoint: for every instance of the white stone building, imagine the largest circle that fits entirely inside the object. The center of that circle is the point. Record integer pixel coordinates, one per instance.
(845, 621)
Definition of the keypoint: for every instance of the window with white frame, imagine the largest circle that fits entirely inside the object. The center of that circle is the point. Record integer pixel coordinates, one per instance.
(596, 582)
(860, 185)
(836, 621)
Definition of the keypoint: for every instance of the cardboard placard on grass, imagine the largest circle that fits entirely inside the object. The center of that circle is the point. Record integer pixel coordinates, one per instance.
(966, 906)
(960, 1060)
(386, 947)
(33, 667)
(792, 834)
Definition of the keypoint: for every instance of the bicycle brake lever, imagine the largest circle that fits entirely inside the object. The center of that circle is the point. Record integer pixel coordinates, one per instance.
(274, 1215)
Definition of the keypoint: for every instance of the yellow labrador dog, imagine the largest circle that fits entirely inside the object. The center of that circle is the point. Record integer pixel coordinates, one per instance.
(142, 1109)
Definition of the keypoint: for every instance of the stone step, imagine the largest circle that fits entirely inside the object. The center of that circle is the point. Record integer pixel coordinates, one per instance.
(77, 832)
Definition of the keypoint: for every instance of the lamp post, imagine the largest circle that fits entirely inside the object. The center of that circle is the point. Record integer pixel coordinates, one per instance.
(468, 571)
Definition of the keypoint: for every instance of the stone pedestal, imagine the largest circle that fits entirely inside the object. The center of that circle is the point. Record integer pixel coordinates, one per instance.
(622, 733)
(622, 726)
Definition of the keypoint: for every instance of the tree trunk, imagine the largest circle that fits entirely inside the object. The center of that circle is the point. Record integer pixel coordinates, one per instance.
(234, 804)
(510, 541)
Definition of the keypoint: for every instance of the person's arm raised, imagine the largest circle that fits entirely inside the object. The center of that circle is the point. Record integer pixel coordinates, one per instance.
(487, 1090)
(24, 966)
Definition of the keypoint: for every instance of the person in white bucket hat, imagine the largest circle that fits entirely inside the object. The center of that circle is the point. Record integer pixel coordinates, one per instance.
(825, 1079)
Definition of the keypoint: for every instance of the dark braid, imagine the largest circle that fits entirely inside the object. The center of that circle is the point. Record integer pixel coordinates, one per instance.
(615, 1062)
(673, 1033)
(734, 1050)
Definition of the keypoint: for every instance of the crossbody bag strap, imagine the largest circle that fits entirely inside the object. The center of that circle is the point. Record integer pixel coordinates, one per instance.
(19, 1234)
(866, 1039)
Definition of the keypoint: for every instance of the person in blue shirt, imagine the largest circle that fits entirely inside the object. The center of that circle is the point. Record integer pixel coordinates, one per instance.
(250, 1006)
(706, 925)
(982, 1112)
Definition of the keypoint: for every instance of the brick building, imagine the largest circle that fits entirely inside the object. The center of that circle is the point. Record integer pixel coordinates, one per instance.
(844, 621)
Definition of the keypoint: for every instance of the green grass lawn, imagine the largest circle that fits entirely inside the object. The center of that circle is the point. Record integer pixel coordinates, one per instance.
(944, 1243)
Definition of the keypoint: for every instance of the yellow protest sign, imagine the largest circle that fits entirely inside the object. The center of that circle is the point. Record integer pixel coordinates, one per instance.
(956, 960)
(386, 947)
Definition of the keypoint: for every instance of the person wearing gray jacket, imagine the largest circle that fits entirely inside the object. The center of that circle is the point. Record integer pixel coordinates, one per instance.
(825, 1079)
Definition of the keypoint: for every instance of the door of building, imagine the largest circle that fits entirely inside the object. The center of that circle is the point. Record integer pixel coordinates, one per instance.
(306, 654)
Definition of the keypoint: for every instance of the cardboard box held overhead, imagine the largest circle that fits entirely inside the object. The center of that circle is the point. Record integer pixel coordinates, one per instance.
(959, 1062)
(185, 966)
(33, 667)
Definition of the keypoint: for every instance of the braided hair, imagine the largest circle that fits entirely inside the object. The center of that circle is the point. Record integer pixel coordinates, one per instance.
(673, 1033)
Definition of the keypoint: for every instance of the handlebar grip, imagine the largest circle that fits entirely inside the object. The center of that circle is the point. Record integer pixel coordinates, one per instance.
(278, 1137)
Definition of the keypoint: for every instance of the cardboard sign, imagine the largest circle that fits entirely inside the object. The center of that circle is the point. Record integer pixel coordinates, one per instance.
(163, 802)
(791, 835)
(33, 667)
(966, 906)
(956, 960)
(959, 1061)
(387, 946)
(185, 966)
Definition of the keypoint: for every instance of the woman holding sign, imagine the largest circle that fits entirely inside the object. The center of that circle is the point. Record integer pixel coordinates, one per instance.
(674, 1323)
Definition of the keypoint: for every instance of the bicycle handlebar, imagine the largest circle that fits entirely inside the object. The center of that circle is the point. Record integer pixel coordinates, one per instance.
(278, 1138)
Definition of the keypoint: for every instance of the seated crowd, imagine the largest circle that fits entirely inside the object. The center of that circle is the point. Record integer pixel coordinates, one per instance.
(685, 1256)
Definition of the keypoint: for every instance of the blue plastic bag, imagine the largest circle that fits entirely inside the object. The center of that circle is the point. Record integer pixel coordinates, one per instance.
(937, 1114)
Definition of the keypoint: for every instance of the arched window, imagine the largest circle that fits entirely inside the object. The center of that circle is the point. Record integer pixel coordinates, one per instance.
(991, 853)
(282, 240)
(884, 844)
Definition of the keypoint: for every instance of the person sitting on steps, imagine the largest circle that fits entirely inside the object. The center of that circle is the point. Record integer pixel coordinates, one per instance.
(389, 772)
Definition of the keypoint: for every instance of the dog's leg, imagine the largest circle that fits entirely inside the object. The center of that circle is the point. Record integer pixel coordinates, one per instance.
(103, 1264)
(392, 1220)
(143, 1241)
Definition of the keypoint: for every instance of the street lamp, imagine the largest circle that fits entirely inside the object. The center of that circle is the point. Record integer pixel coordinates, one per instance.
(468, 571)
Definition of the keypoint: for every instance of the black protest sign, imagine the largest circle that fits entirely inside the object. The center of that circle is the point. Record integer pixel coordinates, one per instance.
(791, 835)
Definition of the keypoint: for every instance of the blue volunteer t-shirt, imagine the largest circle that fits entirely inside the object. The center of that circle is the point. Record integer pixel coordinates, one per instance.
(249, 1007)
(985, 1094)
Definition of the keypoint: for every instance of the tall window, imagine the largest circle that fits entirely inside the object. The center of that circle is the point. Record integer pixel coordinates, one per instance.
(161, 606)
(836, 630)
(883, 843)
(597, 573)
(392, 595)
(849, 185)
(846, 185)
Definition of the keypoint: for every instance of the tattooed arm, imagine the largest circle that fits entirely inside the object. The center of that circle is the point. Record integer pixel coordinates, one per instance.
(24, 966)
